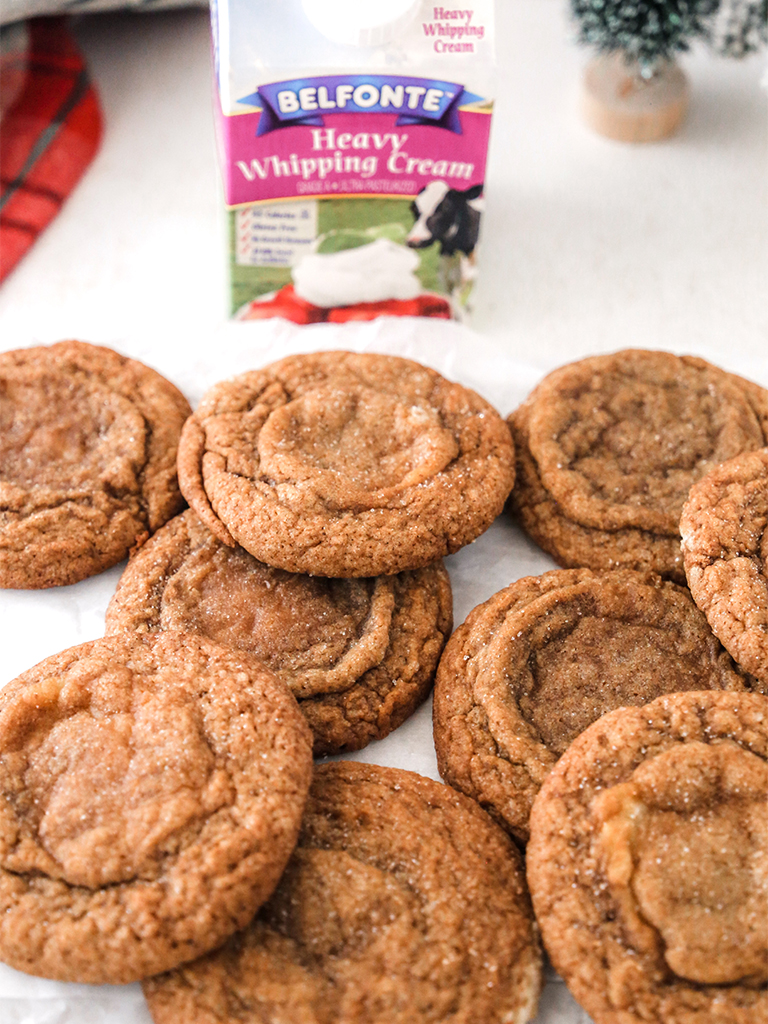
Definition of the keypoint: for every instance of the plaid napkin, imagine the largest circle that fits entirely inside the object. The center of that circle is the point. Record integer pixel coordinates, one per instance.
(50, 126)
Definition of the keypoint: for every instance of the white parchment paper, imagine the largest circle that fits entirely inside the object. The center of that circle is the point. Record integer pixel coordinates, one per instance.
(36, 624)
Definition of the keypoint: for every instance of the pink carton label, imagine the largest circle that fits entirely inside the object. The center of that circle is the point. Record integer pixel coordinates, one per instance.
(354, 196)
(353, 136)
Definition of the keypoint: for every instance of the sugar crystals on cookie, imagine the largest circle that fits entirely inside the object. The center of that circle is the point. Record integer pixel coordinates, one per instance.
(88, 443)
(339, 464)
(647, 862)
(403, 904)
(539, 661)
(608, 448)
(359, 654)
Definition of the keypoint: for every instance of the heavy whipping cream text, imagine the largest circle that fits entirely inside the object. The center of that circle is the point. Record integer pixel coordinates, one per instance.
(453, 30)
(346, 158)
(352, 135)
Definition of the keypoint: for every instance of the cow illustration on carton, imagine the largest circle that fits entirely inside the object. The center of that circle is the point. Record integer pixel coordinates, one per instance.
(450, 217)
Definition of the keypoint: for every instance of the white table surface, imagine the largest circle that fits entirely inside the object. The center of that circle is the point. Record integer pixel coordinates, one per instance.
(587, 246)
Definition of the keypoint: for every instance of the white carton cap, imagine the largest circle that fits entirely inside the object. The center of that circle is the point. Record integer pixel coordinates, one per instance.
(361, 22)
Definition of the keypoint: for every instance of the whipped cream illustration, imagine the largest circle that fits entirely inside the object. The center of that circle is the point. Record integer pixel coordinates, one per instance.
(370, 273)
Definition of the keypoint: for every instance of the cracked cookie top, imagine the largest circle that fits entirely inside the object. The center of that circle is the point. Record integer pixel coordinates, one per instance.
(88, 443)
(611, 445)
(725, 548)
(542, 659)
(403, 904)
(358, 654)
(339, 464)
(151, 789)
(619, 439)
(647, 862)
(572, 544)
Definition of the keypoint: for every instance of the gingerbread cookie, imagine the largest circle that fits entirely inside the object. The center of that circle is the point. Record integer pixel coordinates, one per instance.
(88, 443)
(725, 547)
(609, 447)
(572, 544)
(538, 662)
(338, 464)
(359, 654)
(647, 862)
(403, 904)
(151, 789)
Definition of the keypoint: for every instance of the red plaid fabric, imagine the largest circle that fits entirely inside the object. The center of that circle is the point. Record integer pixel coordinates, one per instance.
(49, 135)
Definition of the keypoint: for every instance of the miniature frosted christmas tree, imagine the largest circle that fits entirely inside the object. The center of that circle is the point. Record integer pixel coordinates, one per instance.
(738, 27)
(634, 89)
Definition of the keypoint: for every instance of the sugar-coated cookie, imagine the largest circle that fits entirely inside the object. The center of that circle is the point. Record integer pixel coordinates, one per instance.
(151, 789)
(648, 862)
(340, 464)
(358, 654)
(725, 548)
(88, 442)
(539, 661)
(403, 904)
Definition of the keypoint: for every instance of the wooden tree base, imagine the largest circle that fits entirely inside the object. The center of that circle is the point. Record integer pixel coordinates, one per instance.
(619, 103)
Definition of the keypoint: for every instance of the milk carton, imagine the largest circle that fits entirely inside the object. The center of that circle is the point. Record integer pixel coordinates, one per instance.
(352, 140)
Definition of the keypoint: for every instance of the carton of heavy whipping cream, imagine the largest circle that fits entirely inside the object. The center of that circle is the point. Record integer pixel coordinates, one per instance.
(352, 138)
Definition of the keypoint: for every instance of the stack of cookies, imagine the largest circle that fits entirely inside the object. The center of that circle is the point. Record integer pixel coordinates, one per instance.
(160, 816)
(535, 665)
(156, 783)
(324, 490)
(594, 712)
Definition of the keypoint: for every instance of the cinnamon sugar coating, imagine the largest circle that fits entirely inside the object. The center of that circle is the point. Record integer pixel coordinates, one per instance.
(151, 789)
(88, 442)
(358, 654)
(609, 447)
(542, 659)
(648, 862)
(338, 464)
(403, 904)
(725, 547)
(570, 543)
